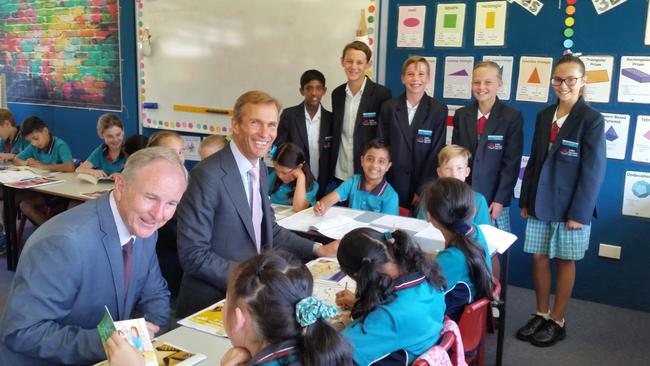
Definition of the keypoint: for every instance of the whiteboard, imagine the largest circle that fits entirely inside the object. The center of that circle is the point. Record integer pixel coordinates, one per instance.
(205, 53)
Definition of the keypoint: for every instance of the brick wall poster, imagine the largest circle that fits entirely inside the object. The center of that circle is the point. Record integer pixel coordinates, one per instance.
(64, 52)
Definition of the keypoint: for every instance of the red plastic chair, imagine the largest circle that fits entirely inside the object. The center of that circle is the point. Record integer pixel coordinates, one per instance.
(473, 325)
(447, 342)
(403, 211)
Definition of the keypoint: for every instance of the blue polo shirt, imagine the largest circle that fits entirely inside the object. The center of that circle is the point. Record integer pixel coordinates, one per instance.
(482, 216)
(401, 329)
(453, 264)
(100, 159)
(284, 194)
(382, 198)
(15, 145)
(58, 152)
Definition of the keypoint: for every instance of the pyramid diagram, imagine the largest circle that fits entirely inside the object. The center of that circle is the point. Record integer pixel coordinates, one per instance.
(611, 134)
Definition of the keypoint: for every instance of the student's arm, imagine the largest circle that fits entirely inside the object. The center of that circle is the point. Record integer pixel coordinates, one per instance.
(7, 156)
(482, 216)
(527, 183)
(63, 167)
(25, 155)
(326, 202)
(391, 205)
(438, 141)
(511, 161)
(383, 130)
(283, 129)
(87, 167)
(300, 201)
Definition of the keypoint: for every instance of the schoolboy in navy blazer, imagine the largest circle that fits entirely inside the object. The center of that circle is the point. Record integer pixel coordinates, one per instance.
(365, 125)
(562, 183)
(414, 149)
(497, 154)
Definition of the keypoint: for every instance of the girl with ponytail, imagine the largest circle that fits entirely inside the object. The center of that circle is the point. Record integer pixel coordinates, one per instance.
(398, 308)
(465, 261)
(271, 318)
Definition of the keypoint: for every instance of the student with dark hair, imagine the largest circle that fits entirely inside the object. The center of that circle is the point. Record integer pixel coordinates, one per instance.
(370, 191)
(399, 305)
(465, 261)
(309, 126)
(135, 143)
(558, 196)
(291, 182)
(270, 317)
(12, 140)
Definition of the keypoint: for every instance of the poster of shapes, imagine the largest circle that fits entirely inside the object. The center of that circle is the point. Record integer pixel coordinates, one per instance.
(534, 79)
(598, 72)
(616, 130)
(520, 177)
(647, 27)
(69, 57)
(431, 85)
(506, 63)
(641, 147)
(490, 28)
(450, 23)
(452, 108)
(634, 79)
(602, 6)
(533, 6)
(410, 27)
(636, 197)
(192, 144)
(458, 77)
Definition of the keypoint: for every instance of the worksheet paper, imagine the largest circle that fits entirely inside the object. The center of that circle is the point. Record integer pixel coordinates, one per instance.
(506, 63)
(534, 79)
(641, 147)
(490, 25)
(410, 26)
(634, 79)
(458, 77)
(598, 73)
(616, 131)
(450, 24)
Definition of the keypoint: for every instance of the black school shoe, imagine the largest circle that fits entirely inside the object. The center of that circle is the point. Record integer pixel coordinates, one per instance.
(548, 334)
(526, 332)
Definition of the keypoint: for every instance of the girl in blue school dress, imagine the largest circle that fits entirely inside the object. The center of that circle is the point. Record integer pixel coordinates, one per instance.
(291, 182)
(558, 196)
(108, 158)
(465, 261)
(399, 305)
(270, 318)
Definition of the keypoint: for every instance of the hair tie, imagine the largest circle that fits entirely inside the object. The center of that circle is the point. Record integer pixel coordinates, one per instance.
(366, 260)
(310, 309)
(389, 237)
(460, 227)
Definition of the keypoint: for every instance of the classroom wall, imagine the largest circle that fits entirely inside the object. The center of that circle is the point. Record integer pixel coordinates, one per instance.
(618, 32)
(78, 126)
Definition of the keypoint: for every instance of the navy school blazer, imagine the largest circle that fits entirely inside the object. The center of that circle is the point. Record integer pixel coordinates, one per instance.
(365, 128)
(563, 182)
(414, 149)
(496, 157)
(293, 129)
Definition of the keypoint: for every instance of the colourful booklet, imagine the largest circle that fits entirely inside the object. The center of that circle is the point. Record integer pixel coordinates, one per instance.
(133, 330)
(208, 320)
(33, 182)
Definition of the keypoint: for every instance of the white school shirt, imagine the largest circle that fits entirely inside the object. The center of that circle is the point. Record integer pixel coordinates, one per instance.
(122, 231)
(411, 111)
(559, 121)
(244, 165)
(345, 162)
(313, 135)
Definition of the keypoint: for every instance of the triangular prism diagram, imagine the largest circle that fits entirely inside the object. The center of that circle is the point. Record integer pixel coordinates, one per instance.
(611, 134)
(461, 72)
(534, 77)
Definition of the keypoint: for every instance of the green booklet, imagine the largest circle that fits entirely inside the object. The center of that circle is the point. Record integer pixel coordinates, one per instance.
(106, 327)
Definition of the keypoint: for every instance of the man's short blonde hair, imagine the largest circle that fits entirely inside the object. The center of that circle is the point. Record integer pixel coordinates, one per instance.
(254, 97)
(142, 158)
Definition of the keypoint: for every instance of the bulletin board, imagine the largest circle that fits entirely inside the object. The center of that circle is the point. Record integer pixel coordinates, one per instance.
(600, 29)
(203, 54)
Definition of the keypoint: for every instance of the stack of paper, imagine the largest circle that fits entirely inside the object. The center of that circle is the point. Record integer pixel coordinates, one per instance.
(208, 320)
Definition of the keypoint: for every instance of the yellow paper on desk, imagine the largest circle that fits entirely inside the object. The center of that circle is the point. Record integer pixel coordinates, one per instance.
(208, 320)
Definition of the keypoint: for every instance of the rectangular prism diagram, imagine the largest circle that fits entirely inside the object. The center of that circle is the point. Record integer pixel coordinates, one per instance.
(636, 75)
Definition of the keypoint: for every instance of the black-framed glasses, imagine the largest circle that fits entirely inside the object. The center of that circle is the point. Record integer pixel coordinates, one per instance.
(568, 81)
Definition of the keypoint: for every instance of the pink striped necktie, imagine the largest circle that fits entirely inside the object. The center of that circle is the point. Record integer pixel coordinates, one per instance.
(256, 205)
(127, 250)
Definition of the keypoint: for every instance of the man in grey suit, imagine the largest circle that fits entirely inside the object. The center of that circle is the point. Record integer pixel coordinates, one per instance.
(217, 215)
(101, 253)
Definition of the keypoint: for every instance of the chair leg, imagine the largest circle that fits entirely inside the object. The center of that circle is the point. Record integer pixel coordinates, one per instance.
(21, 230)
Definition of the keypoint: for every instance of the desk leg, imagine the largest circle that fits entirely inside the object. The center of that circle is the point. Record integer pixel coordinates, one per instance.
(502, 310)
(9, 206)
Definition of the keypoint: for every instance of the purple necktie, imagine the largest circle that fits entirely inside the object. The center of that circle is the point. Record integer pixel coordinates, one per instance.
(127, 249)
(256, 205)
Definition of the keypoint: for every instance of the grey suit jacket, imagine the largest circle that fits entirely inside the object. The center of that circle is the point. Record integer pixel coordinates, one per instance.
(70, 268)
(215, 230)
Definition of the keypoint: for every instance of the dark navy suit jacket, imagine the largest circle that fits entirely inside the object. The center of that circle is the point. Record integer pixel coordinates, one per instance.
(293, 129)
(365, 126)
(414, 149)
(563, 183)
(496, 157)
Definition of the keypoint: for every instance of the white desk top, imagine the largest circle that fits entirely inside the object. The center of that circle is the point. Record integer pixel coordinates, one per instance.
(195, 341)
(73, 187)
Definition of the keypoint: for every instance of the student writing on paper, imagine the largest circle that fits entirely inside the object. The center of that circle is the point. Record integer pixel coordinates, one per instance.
(414, 126)
(465, 261)
(270, 317)
(369, 191)
(309, 126)
(399, 305)
(109, 157)
(12, 140)
(98, 254)
(355, 110)
(558, 196)
(291, 182)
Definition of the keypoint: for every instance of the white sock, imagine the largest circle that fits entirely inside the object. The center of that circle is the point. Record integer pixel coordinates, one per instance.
(544, 315)
(559, 322)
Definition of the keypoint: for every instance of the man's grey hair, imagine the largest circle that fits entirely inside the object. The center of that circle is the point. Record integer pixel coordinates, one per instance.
(142, 158)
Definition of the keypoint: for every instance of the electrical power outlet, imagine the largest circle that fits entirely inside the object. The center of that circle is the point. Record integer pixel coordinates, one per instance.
(609, 251)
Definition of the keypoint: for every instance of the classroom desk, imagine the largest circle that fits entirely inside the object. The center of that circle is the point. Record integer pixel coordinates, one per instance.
(193, 340)
(71, 188)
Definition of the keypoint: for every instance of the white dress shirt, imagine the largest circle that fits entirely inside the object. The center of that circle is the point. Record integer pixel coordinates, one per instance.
(122, 230)
(411, 111)
(345, 162)
(313, 135)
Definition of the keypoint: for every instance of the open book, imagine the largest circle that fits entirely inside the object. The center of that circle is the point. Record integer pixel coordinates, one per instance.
(337, 227)
(92, 179)
(208, 320)
(33, 182)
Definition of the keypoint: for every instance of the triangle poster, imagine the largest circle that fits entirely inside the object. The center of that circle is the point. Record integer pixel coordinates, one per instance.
(534, 79)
